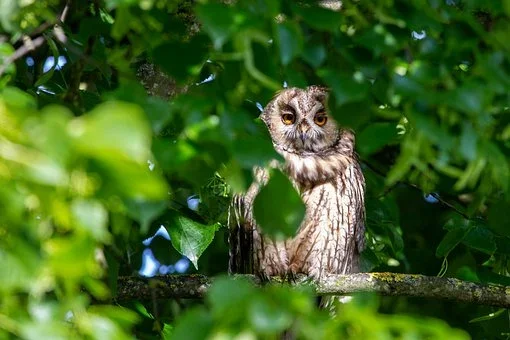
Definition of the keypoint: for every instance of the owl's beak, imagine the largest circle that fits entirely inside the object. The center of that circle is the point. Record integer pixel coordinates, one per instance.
(303, 128)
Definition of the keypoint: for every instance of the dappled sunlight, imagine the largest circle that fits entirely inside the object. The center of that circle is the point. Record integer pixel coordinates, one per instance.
(151, 266)
(128, 128)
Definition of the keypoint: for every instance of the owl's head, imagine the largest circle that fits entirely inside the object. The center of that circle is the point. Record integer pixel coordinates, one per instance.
(298, 121)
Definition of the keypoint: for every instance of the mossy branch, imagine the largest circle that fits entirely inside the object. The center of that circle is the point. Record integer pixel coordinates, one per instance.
(389, 284)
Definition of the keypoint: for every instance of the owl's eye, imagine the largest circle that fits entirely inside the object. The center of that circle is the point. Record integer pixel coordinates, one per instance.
(288, 118)
(320, 119)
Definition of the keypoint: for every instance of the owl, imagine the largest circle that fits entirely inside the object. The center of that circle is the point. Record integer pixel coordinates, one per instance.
(321, 163)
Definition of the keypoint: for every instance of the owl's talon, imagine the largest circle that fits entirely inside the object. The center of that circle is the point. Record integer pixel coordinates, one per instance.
(263, 278)
(291, 277)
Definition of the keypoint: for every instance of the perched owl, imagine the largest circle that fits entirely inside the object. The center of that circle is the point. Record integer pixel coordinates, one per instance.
(321, 163)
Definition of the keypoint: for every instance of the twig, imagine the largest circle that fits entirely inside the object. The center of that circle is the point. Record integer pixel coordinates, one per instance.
(65, 11)
(436, 196)
(30, 44)
(390, 284)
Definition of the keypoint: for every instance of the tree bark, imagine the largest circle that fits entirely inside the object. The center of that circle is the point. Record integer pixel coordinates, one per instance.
(389, 284)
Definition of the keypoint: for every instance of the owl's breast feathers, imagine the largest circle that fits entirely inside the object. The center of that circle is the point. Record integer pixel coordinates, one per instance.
(312, 168)
(331, 235)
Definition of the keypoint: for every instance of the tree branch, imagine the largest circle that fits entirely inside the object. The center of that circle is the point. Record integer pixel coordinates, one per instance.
(389, 284)
(30, 44)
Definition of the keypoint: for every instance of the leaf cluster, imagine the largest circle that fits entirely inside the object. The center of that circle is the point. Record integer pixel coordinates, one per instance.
(91, 166)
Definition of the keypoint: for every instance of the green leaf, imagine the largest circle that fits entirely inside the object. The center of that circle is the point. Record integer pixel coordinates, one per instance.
(278, 207)
(47, 76)
(158, 112)
(471, 98)
(500, 168)
(319, 18)
(132, 180)
(468, 141)
(190, 238)
(450, 241)
(113, 130)
(179, 59)
(20, 267)
(122, 24)
(218, 21)
(195, 324)
(488, 276)
(480, 238)
(92, 216)
(17, 99)
(375, 137)
(489, 316)
(499, 217)
(268, 317)
(314, 54)
(345, 88)
(32, 165)
(237, 179)
(228, 295)
(251, 150)
(145, 212)
(6, 51)
(9, 10)
(290, 41)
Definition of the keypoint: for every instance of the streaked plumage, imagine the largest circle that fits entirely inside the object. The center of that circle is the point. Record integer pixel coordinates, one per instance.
(321, 162)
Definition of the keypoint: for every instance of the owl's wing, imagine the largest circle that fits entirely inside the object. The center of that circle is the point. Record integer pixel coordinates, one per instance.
(360, 211)
(250, 251)
(240, 238)
(244, 236)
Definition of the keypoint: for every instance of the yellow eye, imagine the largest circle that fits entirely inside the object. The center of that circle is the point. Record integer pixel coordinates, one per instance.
(288, 118)
(320, 120)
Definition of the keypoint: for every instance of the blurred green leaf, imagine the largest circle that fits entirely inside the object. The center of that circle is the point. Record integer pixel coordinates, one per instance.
(48, 74)
(219, 30)
(113, 130)
(314, 54)
(6, 51)
(480, 238)
(92, 216)
(317, 17)
(489, 316)
(471, 98)
(268, 317)
(375, 137)
(275, 218)
(253, 150)
(229, 296)
(344, 87)
(425, 85)
(194, 325)
(180, 60)
(452, 238)
(290, 41)
(145, 212)
(499, 219)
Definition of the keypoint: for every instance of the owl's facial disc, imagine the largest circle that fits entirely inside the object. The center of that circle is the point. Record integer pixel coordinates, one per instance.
(298, 121)
(305, 125)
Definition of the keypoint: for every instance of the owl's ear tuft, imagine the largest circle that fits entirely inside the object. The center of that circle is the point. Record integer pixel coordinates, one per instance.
(319, 92)
(264, 116)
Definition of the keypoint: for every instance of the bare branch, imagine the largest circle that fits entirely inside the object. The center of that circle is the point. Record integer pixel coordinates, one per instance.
(30, 44)
(389, 284)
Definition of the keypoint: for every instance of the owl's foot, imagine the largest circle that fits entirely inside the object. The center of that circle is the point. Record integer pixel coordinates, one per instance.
(262, 277)
(291, 278)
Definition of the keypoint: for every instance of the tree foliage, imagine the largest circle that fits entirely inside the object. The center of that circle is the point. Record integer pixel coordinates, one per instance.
(91, 165)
